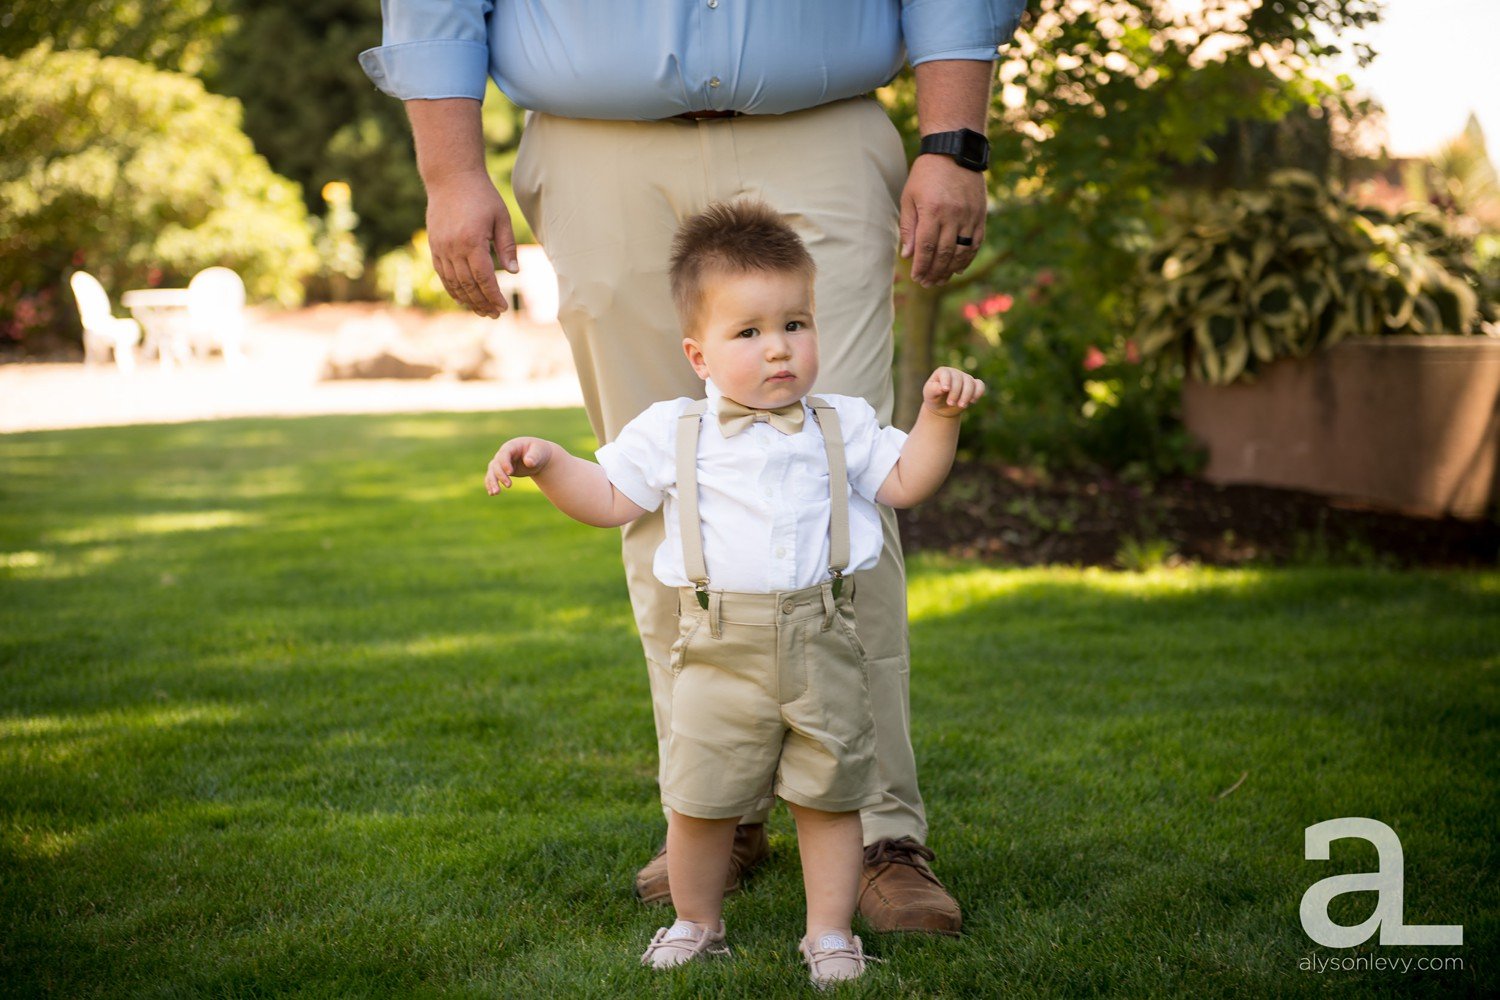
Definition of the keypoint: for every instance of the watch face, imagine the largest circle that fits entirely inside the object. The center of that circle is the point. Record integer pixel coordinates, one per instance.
(973, 150)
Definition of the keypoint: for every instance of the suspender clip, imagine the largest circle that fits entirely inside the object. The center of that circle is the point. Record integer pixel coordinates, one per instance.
(838, 582)
(701, 588)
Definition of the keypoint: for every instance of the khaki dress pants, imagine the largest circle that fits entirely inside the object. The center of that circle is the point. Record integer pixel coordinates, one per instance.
(604, 199)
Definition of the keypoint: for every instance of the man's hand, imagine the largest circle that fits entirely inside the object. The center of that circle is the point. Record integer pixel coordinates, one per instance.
(466, 217)
(519, 457)
(950, 392)
(941, 202)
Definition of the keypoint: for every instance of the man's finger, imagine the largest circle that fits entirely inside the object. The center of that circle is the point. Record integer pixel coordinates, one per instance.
(472, 283)
(482, 266)
(947, 246)
(445, 276)
(924, 241)
(505, 243)
(454, 285)
(965, 255)
(908, 226)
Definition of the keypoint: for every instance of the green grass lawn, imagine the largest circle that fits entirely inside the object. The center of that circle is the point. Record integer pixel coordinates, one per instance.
(292, 708)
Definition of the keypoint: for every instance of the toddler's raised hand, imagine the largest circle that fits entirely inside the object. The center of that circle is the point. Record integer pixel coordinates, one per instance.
(519, 457)
(949, 392)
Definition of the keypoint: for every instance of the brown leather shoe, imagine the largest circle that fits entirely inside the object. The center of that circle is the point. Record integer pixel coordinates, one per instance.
(751, 847)
(899, 892)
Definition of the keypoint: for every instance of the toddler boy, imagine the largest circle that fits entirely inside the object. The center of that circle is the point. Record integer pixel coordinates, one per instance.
(770, 496)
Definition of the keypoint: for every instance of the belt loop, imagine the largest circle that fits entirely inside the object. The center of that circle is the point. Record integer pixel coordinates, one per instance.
(714, 599)
(827, 591)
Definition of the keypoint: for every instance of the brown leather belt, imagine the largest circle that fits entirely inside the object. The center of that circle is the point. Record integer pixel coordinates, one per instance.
(694, 116)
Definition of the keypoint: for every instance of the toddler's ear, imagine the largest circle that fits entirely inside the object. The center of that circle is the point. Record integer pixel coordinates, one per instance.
(694, 353)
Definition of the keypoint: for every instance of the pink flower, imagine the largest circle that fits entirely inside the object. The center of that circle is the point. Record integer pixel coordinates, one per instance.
(998, 304)
(1045, 277)
(1132, 352)
(971, 311)
(1093, 358)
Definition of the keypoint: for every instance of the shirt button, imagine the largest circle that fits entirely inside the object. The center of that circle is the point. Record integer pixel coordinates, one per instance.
(713, 3)
(713, 81)
(780, 552)
(788, 606)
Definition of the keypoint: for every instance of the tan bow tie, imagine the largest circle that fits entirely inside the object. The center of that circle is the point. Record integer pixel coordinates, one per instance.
(734, 417)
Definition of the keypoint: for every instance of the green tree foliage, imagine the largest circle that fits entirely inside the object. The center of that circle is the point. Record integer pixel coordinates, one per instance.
(170, 34)
(134, 173)
(1100, 107)
(312, 112)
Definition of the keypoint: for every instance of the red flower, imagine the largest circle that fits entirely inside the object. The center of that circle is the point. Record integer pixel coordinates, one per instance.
(998, 304)
(153, 277)
(1132, 352)
(971, 311)
(1093, 358)
(1045, 277)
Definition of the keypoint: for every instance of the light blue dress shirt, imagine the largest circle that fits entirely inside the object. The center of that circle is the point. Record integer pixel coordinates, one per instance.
(653, 59)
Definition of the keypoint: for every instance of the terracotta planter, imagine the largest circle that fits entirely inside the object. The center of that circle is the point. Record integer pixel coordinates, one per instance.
(1406, 423)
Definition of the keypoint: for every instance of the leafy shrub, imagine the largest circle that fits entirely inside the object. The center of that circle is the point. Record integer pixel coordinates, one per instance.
(137, 175)
(1060, 393)
(1261, 275)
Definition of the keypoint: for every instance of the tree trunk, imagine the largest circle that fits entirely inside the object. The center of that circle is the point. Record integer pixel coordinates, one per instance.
(919, 324)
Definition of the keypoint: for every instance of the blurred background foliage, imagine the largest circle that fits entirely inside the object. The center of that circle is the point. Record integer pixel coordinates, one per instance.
(1112, 122)
(138, 175)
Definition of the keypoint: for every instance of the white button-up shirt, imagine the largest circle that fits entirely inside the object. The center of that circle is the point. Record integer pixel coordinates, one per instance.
(763, 496)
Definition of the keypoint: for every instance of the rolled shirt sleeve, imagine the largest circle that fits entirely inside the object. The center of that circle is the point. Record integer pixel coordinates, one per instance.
(431, 49)
(870, 450)
(943, 29)
(641, 462)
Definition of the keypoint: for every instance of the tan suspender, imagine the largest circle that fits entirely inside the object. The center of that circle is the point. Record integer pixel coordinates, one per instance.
(688, 425)
(687, 497)
(838, 487)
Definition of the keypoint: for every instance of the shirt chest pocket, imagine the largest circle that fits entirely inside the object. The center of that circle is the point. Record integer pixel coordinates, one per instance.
(810, 485)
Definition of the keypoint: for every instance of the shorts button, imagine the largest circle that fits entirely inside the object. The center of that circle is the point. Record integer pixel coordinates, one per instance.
(787, 606)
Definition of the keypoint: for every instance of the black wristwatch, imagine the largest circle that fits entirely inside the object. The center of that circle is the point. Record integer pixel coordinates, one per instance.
(968, 148)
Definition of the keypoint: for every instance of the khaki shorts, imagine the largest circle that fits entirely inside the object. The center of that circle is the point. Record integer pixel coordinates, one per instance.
(769, 695)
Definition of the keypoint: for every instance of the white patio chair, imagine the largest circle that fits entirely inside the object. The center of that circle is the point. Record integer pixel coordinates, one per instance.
(216, 312)
(103, 331)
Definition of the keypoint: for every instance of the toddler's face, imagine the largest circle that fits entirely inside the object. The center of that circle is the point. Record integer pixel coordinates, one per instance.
(756, 339)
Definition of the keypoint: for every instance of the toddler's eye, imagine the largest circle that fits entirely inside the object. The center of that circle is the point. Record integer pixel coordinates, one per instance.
(750, 332)
(795, 325)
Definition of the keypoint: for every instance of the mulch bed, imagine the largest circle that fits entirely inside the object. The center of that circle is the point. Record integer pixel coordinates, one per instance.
(1022, 517)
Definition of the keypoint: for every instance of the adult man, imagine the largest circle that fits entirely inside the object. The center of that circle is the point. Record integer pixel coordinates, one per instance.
(642, 115)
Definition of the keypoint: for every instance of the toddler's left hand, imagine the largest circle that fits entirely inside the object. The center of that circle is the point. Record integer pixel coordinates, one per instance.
(950, 392)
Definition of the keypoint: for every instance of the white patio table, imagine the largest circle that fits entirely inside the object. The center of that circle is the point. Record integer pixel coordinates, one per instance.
(162, 313)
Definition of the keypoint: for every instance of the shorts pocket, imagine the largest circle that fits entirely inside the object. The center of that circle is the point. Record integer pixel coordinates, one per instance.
(687, 628)
(846, 625)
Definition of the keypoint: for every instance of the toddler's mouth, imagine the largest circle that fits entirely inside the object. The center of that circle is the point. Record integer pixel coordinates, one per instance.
(782, 377)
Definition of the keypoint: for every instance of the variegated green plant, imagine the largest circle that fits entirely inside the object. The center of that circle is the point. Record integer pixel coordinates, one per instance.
(1283, 271)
